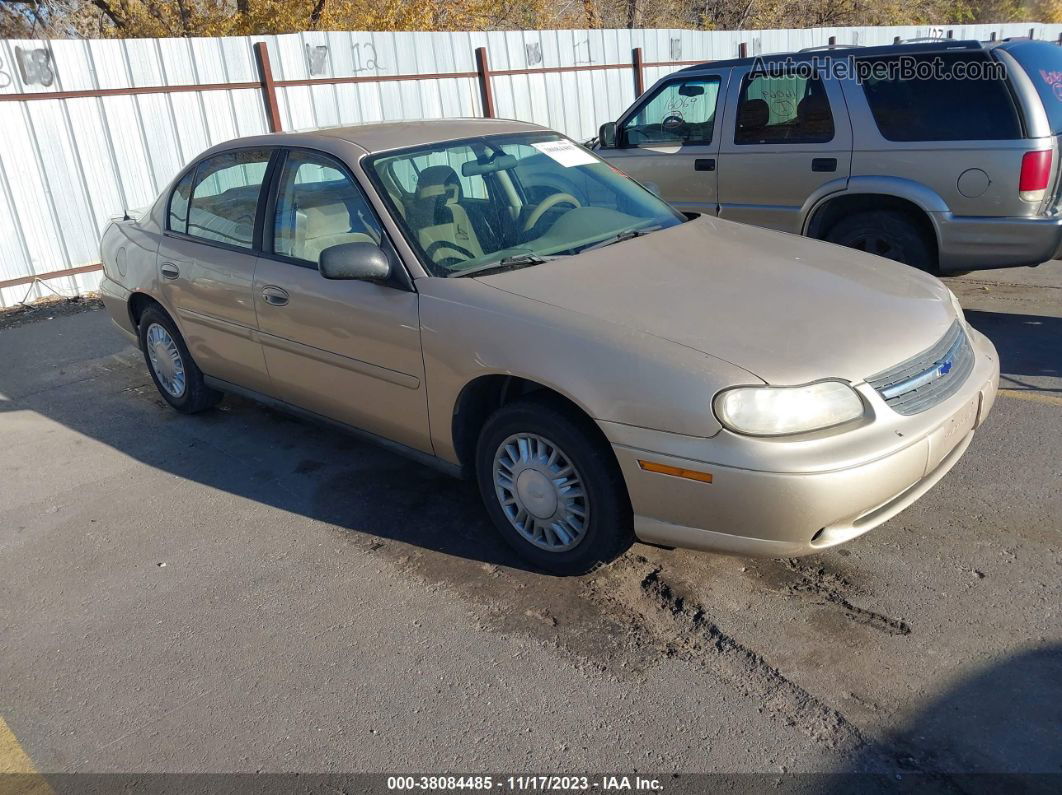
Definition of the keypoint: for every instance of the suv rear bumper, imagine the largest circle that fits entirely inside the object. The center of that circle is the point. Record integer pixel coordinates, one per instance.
(978, 243)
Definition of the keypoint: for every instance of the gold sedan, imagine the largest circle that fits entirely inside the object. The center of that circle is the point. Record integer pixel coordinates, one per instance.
(495, 300)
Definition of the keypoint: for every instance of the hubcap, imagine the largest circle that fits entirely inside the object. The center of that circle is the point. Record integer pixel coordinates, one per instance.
(541, 492)
(165, 360)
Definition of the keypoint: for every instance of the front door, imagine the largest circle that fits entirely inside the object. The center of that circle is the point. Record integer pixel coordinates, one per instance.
(347, 350)
(669, 140)
(206, 264)
(787, 139)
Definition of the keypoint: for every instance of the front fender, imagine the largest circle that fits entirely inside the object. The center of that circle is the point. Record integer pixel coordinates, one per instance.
(614, 374)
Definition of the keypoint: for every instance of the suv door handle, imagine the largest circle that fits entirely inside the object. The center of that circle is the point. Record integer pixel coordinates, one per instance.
(169, 270)
(824, 164)
(274, 296)
(704, 164)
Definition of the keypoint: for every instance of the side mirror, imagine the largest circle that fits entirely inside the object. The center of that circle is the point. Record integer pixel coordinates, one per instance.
(606, 135)
(361, 261)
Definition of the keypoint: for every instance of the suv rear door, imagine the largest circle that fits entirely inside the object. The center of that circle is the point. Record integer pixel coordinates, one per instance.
(786, 138)
(670, 138)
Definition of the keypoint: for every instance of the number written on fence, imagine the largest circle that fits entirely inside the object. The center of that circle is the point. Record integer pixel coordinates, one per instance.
(371, 64)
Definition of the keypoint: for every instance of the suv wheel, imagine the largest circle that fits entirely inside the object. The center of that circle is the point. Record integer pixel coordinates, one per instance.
(552, 487)
(176, 376)
(888, 234)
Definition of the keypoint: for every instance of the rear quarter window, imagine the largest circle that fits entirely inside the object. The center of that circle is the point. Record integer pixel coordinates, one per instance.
(1042, 61)
(940, 107)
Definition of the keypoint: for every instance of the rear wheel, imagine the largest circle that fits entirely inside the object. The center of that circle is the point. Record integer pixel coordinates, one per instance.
(888, 234)
(178, 379)
(552, 487)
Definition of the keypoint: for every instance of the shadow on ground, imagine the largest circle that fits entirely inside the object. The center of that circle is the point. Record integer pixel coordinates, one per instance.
(996, 730)
(1028, 345)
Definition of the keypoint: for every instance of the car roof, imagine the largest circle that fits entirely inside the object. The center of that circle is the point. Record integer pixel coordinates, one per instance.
(382, 136)
(848, 50)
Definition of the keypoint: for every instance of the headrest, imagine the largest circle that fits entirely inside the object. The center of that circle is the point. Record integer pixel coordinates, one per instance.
(326, 219)
(753, 114)
(436, 181)
(813, 108)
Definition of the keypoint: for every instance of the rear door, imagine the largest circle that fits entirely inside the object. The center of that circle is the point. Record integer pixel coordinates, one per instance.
(347, 350)
(787, 138)
(669, 139)
(206, 263)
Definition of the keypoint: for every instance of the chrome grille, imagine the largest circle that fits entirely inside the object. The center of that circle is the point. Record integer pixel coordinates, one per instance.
(925, 380)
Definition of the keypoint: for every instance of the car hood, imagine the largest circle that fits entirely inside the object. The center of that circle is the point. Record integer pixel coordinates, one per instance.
(784, 307)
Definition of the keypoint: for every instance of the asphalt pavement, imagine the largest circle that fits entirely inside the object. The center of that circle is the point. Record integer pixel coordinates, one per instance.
(243, 591)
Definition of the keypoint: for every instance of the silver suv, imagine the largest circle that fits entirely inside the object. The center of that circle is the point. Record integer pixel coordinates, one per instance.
(942, 155)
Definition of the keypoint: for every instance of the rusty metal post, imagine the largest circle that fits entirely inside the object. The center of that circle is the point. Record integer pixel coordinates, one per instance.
(743, 50)
(639, 71)
(832, 41)
(485, 87)
(269, 89)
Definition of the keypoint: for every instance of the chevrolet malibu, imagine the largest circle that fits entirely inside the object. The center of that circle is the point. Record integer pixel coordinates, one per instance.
(493, 299)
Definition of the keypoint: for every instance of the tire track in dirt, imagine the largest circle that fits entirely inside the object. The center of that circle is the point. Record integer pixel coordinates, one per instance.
(830, 588)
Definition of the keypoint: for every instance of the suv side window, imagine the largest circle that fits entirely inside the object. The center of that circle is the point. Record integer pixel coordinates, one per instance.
(939, 107)
(786, 109)
(679, 112)
(318, 206)
(224, 201)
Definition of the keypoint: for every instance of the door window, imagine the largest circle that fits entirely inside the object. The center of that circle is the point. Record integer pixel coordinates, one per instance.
(178, 218)
(786, 109)
(225, 197)
(679, 112)
(318, 206)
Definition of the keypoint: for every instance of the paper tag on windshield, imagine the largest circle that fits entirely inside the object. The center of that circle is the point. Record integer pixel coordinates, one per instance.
(566, 153)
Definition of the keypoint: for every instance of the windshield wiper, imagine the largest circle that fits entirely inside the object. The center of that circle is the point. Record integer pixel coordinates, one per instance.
(512, 263)
(630, 234)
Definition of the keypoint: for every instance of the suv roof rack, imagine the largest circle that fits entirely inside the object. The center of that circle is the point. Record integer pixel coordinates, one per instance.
(968, 44)
(831, 47)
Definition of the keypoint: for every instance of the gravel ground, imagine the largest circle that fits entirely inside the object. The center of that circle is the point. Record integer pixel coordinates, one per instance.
(242, 591)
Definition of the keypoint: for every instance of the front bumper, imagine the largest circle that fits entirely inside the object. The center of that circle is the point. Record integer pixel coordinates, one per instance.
(977, 243)
(831, 491)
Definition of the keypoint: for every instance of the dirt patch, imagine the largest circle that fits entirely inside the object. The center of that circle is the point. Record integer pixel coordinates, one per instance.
(47, 309)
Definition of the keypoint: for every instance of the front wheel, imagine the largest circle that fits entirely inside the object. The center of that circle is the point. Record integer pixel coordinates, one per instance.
(887, 234)
(552, 487)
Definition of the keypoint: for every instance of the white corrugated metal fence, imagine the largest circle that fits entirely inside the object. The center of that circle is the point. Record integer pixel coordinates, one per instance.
(68, 164)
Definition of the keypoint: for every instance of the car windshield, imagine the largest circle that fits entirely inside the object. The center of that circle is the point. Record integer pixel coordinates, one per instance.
(510, 201)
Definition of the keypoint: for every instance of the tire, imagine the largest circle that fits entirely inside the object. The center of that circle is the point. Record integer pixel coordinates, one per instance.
(176, 376)
(519, 437)
(888, 234)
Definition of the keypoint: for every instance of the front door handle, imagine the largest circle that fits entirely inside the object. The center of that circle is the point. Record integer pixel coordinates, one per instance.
(169, 270)
(274, 296)
(704, 164)
(824, 164)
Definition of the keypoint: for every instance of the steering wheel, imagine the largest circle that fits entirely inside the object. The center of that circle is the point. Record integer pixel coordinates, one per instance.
(438, 244)
(547, 204)
(675, 125)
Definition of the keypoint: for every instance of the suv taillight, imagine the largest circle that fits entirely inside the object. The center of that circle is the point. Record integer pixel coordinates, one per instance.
(1035, 174)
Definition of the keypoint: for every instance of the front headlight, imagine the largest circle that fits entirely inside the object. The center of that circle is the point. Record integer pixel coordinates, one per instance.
(779, 411)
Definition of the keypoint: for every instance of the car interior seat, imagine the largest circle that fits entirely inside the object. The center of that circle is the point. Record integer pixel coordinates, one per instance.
(442, 225)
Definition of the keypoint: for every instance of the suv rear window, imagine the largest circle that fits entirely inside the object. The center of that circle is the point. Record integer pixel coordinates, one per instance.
(940, 107)
(1043, 63)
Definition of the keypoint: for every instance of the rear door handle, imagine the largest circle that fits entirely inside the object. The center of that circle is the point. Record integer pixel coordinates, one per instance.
(704, 164)
(274, 296)
(824, 164)
(169, 270)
